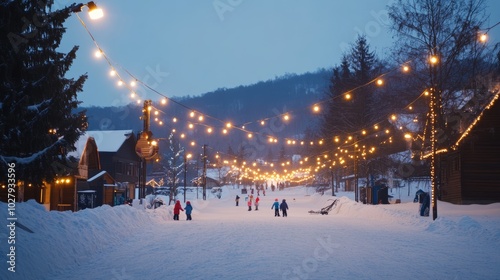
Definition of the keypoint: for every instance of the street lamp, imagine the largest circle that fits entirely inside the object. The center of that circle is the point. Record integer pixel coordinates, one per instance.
(186, 157)
(94, 11)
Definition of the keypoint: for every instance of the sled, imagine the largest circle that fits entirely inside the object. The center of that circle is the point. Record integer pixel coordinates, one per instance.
(325, 210)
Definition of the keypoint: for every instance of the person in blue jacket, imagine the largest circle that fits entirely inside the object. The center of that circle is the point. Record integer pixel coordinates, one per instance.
(188, 209)
(284, 207)
(276, 206)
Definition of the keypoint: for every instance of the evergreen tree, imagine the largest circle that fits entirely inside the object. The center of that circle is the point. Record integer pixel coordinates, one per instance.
(38, 123)
(347, 115)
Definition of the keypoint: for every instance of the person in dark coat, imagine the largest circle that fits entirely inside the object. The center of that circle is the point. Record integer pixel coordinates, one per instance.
(188, 209)
(177, 210)
(284, 207)
(276, 207)
(237, 200)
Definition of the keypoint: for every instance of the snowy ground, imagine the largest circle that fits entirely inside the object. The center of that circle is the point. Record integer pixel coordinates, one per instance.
(354, 241)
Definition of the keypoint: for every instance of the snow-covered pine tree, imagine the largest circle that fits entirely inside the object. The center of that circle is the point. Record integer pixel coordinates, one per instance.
(38, 123)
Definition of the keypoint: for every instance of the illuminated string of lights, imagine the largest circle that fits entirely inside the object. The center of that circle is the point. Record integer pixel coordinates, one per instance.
(225, 126)
(250, 134)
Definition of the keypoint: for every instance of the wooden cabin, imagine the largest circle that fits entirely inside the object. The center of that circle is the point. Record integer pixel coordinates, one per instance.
(470, 172)
(107, 172)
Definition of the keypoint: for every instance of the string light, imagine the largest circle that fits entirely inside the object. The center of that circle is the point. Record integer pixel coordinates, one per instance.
(433, 59)
(316, 108)
(483, 37)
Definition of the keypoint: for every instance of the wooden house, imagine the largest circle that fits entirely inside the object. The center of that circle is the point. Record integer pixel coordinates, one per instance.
(107, 172)
(470, 170)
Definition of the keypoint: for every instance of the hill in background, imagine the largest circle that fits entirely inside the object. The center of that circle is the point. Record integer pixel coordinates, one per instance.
(243, 106)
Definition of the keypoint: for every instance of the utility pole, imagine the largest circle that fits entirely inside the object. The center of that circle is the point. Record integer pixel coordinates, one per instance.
(204, 172)
(356, 167)
(333, 181)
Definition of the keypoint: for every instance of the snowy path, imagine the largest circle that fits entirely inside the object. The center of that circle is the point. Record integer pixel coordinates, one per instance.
(228, 242)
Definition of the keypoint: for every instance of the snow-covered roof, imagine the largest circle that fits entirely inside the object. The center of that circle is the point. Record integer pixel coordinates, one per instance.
(108, 179)
(106, 140)
(97, 176)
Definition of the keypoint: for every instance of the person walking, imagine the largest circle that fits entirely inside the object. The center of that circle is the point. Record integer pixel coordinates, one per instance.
(257, 203)
(249, 203)
(177, 210)
(188, 209)
(237, 200)
(284, 207)
(276, 207)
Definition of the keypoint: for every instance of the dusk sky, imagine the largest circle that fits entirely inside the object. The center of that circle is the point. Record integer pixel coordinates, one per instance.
(184, 48)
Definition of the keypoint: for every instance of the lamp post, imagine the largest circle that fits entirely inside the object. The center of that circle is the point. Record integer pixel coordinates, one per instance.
(186, 157)
(94, 11)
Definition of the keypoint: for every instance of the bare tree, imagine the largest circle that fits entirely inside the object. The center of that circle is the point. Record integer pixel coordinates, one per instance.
(174, 166)
(448, 31)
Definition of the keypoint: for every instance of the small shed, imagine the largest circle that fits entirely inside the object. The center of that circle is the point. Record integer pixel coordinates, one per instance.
(104, 187)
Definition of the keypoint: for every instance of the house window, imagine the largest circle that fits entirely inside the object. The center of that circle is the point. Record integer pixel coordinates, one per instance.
(130, 169)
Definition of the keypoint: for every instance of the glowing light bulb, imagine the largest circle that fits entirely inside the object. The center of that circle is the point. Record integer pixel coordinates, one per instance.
(433, 59)
(94, 11)
(483, 38)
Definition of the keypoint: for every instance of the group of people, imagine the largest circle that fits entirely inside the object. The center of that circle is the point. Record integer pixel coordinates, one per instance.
(276, 205)
(283, 206)
(178, 209)
(250, 202)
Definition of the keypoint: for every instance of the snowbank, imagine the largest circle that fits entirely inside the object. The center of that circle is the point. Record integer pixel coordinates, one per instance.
(223, 235)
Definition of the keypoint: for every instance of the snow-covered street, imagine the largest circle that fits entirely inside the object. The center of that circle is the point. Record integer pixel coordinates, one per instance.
(354, 241)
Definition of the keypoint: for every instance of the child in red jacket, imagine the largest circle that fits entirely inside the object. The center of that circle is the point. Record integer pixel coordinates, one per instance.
(177, 209)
